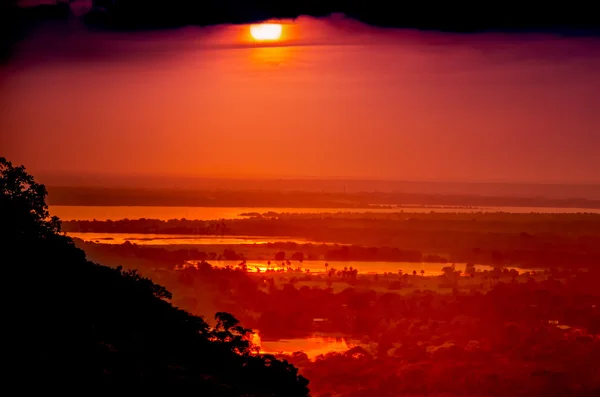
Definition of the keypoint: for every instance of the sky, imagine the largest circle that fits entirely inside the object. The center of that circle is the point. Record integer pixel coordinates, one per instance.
(333, 99)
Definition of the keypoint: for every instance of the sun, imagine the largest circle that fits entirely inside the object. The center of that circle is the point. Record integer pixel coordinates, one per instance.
(266, 31)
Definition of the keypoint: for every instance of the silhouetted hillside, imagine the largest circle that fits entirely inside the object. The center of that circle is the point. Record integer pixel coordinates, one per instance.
(79, 323)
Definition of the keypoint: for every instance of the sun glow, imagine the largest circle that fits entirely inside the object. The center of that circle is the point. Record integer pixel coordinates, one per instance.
(266, 31)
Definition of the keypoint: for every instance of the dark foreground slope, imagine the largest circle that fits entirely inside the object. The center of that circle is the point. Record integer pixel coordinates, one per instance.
(81, 324)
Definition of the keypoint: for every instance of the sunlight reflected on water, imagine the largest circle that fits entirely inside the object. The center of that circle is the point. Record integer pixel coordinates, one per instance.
(102, 213)
(312, 346)
(296, 268)
(177, 239)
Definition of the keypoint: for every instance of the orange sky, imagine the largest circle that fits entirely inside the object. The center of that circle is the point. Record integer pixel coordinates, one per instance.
(339, 100)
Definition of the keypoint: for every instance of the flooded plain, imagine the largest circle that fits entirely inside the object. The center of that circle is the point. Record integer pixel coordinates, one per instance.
(103, 213)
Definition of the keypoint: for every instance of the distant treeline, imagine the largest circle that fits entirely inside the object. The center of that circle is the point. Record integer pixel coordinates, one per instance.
(527, 240)
(91, 196)
(168, 257)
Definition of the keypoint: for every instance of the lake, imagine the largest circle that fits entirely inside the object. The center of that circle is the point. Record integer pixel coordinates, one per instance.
(102, 213)
(363, 267)
(312, 346)
(314, 266)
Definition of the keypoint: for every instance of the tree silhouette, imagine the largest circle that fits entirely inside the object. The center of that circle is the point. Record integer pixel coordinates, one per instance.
(470, 269)
(23, 202)
(79, 323)
(298, 256)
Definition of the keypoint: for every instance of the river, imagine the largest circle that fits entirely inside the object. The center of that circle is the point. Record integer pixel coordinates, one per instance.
(102, 213)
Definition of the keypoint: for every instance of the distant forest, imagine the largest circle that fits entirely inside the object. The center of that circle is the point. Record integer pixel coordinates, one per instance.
(83, 196)
(526, 240)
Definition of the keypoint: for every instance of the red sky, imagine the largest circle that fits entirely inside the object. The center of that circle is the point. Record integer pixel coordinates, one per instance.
(339, 100)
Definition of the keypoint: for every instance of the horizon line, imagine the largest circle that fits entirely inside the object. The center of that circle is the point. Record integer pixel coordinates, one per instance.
(130, 177)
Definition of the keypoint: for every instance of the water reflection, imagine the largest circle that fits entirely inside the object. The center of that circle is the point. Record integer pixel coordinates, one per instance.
(102, 213)
(295, 268)
(311, 267)
(177, 239)
(312, 346)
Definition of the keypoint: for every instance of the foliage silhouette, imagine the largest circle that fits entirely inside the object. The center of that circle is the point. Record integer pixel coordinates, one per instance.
(85, 324)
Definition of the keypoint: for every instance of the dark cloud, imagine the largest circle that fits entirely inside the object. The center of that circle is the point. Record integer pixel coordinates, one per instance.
(457, 16)
(362, 19)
